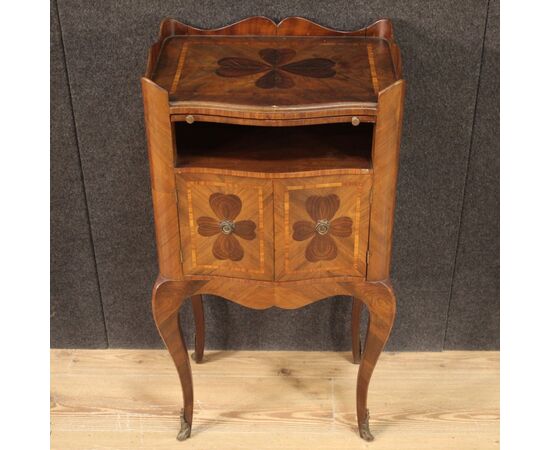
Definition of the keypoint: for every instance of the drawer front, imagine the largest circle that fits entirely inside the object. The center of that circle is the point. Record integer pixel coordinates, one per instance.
(321, 226)
(226, 225)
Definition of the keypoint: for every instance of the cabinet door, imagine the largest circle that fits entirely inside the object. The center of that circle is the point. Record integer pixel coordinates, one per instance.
(321, 226)
(226, 225)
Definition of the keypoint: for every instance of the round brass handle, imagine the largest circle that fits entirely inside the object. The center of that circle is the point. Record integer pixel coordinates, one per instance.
(322, 226)
(227, 226)
(355, 121)
(189, 119)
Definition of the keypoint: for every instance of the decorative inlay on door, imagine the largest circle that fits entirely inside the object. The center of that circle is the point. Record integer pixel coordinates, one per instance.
(274, 152)
(226, 208)
(322, 246)
(322, 229)
(226, 225)
(276, 62)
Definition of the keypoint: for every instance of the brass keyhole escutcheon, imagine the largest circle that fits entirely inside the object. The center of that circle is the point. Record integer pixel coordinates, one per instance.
(189, 119)
(227, 226)
(355, 121)
(322, 227)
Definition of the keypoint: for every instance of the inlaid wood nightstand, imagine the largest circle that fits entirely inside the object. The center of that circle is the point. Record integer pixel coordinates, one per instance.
(274, 152)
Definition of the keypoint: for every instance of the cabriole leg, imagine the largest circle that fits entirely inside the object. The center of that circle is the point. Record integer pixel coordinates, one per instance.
(381, 304)
(167, 299)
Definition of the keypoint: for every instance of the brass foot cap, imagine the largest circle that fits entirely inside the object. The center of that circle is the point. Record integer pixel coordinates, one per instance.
(364, 429)
(185, 430)
(366, 435)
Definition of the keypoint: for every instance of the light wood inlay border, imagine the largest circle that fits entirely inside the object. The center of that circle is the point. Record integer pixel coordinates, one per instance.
(261, 227)
(179, 69)
(192, 228)
(372, 65)
(357, 223)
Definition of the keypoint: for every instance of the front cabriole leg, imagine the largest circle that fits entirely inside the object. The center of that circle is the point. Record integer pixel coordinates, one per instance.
(380, 300)
(167, 298)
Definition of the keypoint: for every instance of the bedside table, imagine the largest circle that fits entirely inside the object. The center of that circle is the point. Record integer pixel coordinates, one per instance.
(274, 151)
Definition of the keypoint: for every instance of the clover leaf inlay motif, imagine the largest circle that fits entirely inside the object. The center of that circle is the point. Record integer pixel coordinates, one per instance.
(276, 62)
(226, 207)
(322, 228)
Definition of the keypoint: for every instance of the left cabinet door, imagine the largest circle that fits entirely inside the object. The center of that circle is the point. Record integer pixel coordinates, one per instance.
(226, 225)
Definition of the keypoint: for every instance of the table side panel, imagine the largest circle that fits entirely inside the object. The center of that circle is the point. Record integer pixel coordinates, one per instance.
(161, 161)
(385, 159)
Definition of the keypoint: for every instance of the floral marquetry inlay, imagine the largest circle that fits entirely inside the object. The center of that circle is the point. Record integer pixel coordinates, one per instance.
(276, 62)
(322, 228)
(226, 207)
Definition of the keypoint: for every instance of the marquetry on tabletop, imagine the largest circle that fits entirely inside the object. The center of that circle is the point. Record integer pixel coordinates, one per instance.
(263, 71)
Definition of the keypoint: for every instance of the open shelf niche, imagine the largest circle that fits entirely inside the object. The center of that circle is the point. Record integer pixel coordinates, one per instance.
(273, 149)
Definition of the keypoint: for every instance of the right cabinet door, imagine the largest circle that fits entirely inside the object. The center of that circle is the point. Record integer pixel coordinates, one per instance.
(321, 226)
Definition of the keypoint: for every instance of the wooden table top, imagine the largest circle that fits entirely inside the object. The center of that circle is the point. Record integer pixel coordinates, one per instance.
(270, 72)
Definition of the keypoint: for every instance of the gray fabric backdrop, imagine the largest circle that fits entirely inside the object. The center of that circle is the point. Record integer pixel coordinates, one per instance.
(446, 254)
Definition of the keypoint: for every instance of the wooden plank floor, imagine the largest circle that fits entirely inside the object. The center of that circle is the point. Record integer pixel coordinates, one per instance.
(130, 399)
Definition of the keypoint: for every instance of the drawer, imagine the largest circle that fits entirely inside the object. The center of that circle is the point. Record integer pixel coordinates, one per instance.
(321, 226)
(226, 225)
